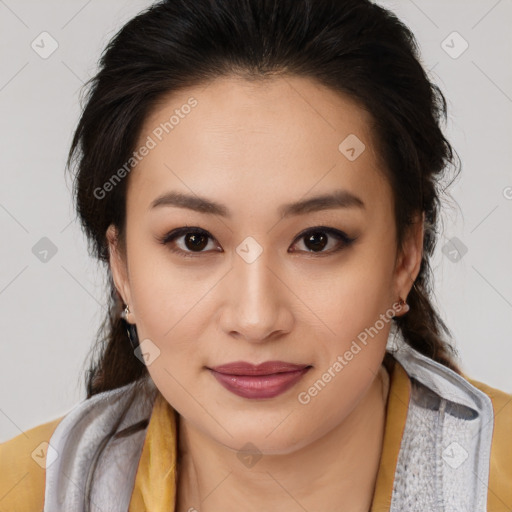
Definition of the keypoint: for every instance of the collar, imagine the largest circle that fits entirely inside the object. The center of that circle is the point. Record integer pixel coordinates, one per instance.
(156, 478)
(396, 415)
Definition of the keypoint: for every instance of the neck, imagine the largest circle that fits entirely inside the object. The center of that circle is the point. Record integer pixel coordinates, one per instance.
(336, 472)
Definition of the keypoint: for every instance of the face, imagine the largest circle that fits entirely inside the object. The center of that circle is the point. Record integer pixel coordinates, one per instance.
(265, 272)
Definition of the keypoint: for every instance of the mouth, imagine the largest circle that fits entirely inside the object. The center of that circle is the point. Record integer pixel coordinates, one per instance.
(266, 380)
(266, 368)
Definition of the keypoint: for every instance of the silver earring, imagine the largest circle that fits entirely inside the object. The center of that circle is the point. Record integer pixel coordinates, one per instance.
(125, 312)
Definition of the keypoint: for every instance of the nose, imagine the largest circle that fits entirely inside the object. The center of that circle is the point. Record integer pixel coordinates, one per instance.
(256, 308)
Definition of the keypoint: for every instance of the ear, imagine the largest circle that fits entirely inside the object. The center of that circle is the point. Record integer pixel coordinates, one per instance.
(408, 262)
(118, 265)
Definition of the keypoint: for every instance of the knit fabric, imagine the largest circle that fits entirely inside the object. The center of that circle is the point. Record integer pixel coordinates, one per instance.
(436, 464)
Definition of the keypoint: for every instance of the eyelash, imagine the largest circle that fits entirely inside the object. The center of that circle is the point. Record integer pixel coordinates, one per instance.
(345, 240)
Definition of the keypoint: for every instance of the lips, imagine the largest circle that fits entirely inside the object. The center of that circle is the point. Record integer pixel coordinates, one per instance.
(265, 380)
(266, 368)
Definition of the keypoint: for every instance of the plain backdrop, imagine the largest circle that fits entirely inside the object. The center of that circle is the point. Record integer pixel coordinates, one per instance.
(51, 305)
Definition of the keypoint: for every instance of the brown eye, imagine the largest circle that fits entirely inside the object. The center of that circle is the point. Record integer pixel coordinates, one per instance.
(188, 240)
(195, 241)
(317, 239)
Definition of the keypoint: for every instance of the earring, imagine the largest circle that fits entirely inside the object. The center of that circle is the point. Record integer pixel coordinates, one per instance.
(403, 305)
(125, 312)
(131, 329)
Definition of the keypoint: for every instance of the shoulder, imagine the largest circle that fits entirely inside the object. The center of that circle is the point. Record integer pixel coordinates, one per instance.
(23, 467)
(502, 407)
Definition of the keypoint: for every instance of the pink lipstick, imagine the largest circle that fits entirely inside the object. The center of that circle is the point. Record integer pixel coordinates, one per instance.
(265, 380)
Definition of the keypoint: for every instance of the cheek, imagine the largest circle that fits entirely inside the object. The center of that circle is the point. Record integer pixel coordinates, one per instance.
(356, 321)
(352, 296)
(165, 294)
(348, 358)
(332, 394)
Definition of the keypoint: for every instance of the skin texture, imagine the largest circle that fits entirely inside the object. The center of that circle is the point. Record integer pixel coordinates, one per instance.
(253, 146)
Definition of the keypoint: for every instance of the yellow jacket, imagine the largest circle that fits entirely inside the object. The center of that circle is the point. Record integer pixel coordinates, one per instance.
(153, 488)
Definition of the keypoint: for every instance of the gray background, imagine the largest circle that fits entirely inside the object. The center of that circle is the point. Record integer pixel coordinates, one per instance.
(50, 310)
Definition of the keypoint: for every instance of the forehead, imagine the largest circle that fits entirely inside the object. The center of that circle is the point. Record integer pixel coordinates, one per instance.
(242, 141)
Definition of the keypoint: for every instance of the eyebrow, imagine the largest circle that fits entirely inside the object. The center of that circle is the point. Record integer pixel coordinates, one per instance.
(338, 199)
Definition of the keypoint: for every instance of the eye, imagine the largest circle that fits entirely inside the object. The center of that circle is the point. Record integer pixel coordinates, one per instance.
(194, 240)
(188, 240)
(318, 238)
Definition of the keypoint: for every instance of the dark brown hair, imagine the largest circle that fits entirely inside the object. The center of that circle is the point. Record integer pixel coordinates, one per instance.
(351, 46)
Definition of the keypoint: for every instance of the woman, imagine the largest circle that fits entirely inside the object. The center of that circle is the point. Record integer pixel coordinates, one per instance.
(262, 180)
